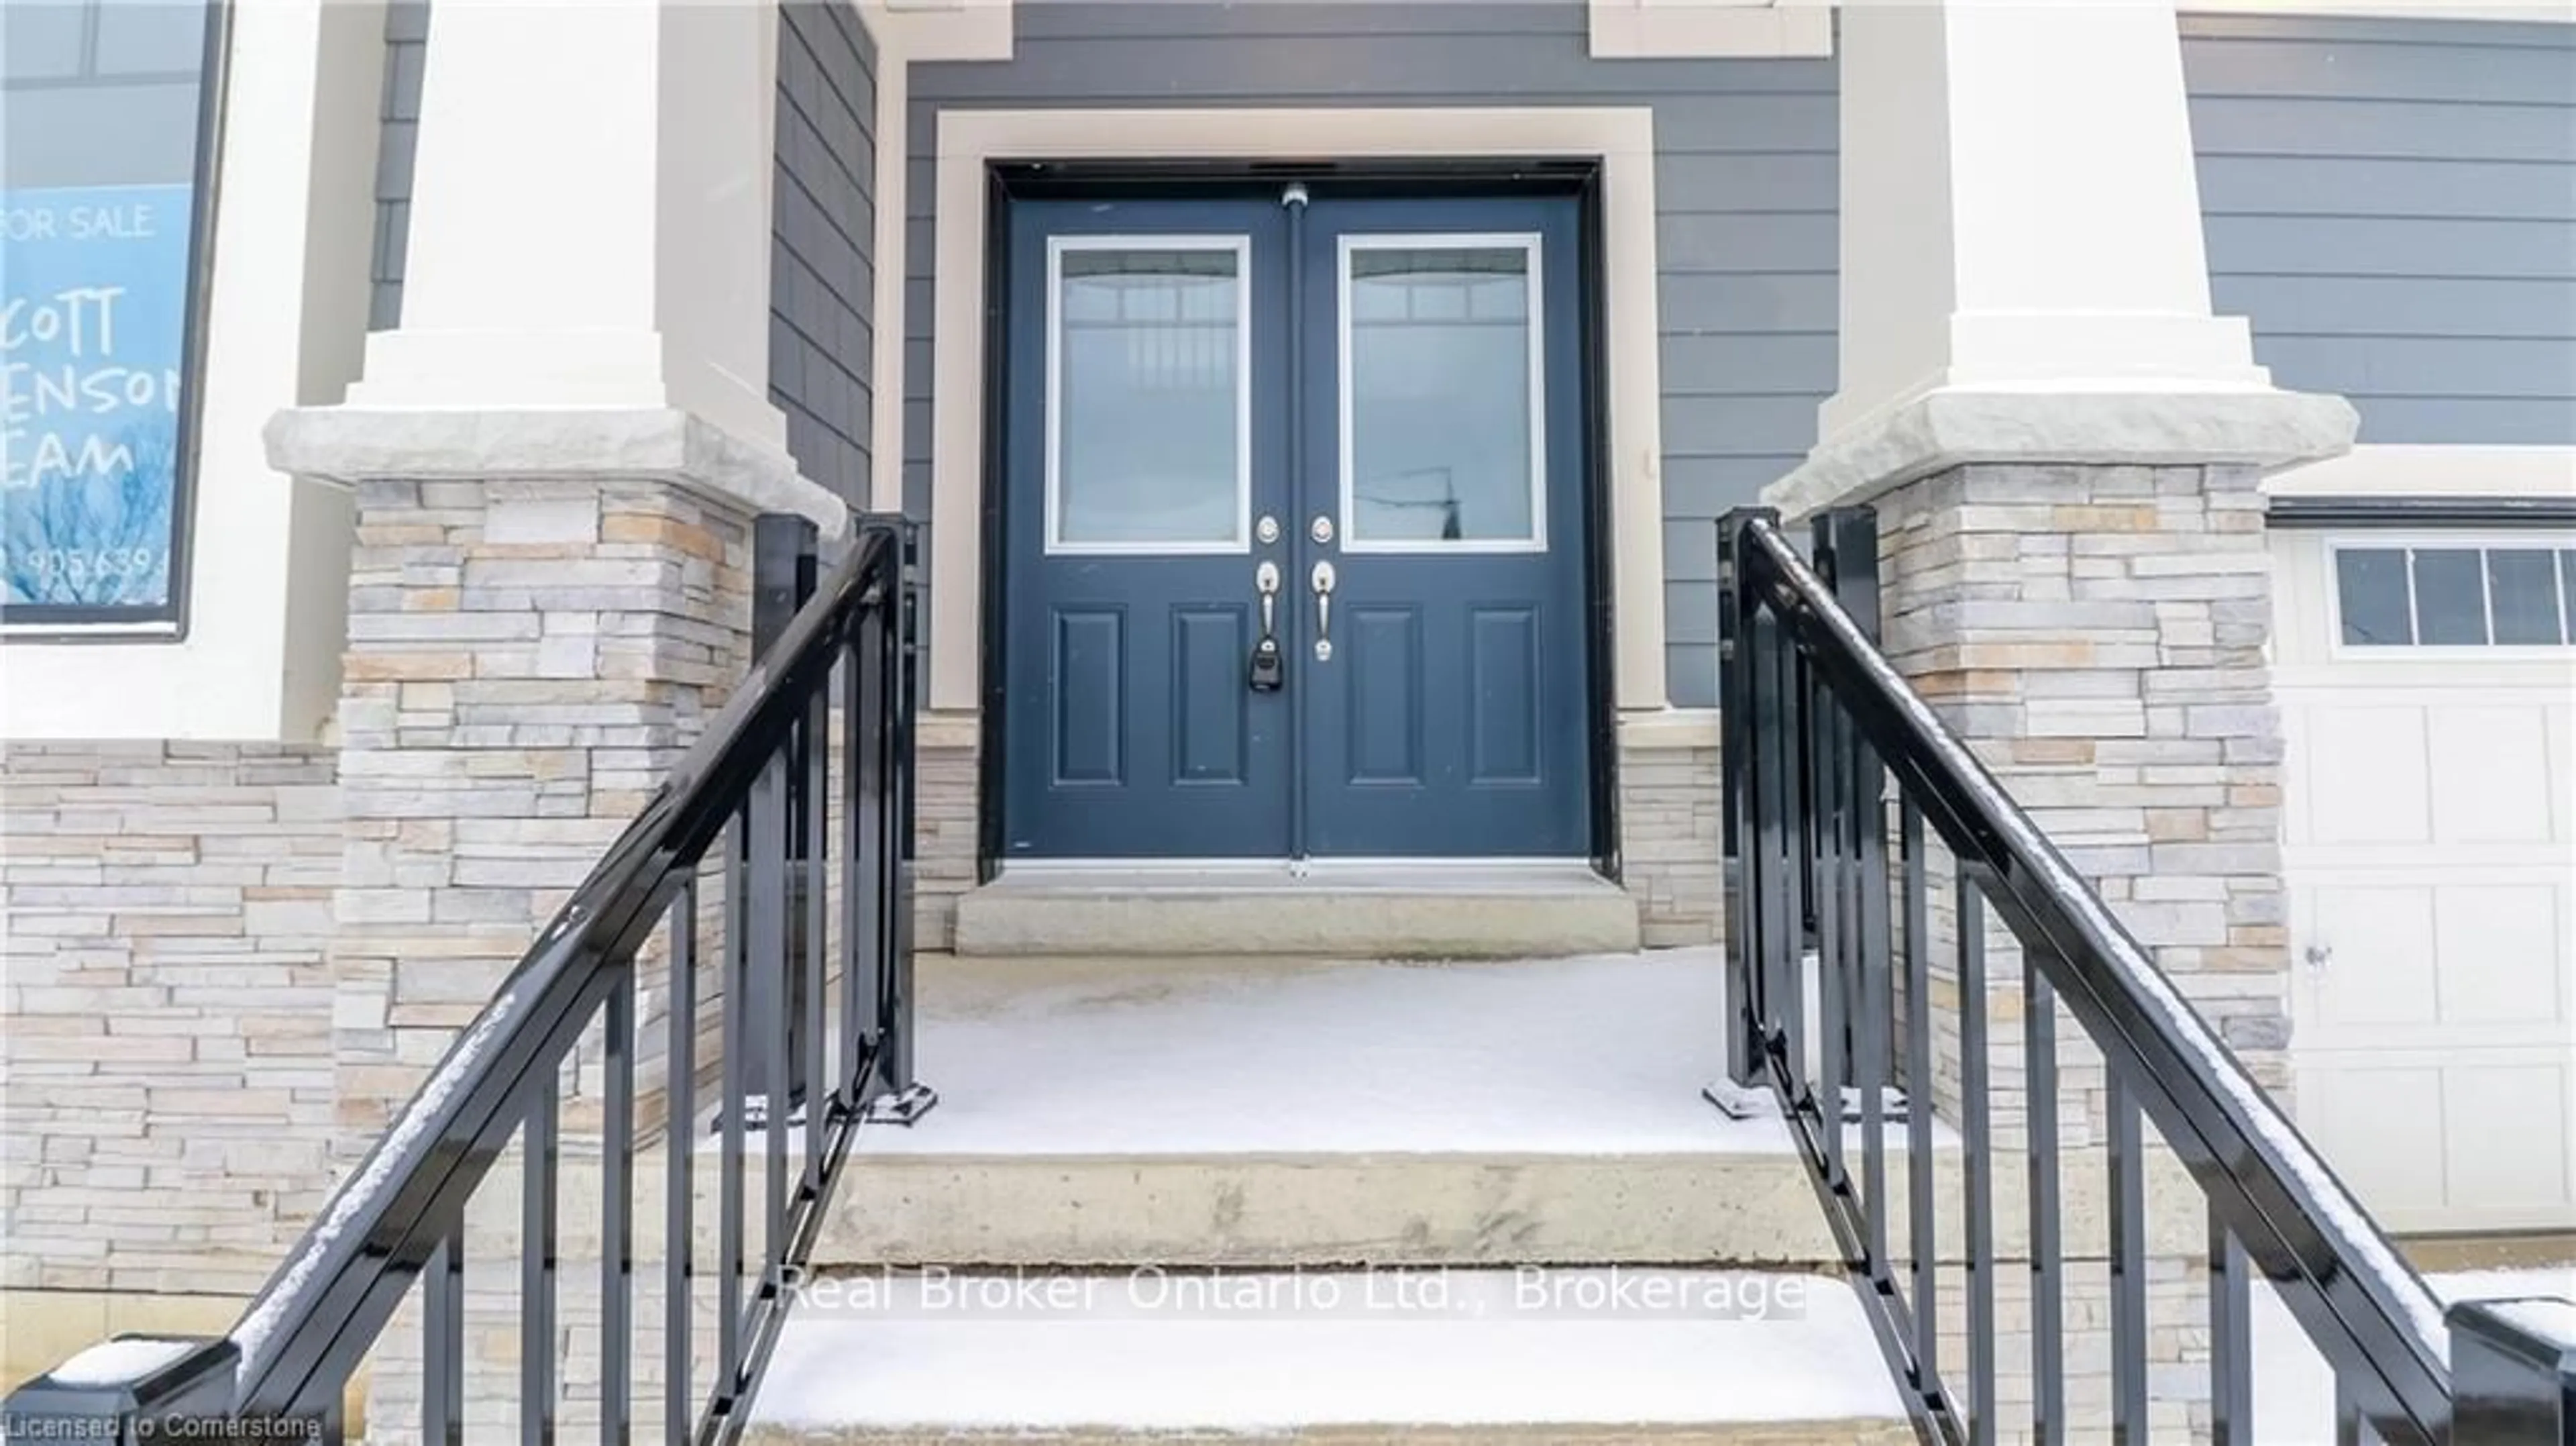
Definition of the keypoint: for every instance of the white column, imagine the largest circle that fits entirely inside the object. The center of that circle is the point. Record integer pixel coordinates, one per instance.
(2020, 216)
(590, 215)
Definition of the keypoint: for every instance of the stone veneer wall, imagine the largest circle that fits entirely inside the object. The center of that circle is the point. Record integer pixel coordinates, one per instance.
(943, 824)
(166, 1120)
(1670, 837)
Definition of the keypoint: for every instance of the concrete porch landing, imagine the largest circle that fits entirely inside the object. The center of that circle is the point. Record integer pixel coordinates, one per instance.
(1257, 1112)
(1337, 909)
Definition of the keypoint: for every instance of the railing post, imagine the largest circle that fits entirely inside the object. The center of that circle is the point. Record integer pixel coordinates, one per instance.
(2513, 1373)
(906, 1098)
(1741, 661)
(135, 1389)
(784, 567)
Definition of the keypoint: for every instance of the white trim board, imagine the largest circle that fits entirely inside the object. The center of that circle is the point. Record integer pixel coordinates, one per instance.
(2429, 471)
(2557, 12)
(1710, 29)
(970, 141)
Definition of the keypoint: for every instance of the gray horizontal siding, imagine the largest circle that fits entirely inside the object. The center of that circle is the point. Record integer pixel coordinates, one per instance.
(1745, 198)
(822, 275)
(2393, 205)
(397, 140)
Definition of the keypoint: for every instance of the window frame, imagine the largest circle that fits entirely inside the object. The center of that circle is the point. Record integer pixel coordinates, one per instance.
(1239, 244)
(1531, 244)
(168, 620)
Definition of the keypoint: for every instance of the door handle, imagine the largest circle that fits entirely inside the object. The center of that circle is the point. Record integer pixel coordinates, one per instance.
(1322, 578)
(1269, 668)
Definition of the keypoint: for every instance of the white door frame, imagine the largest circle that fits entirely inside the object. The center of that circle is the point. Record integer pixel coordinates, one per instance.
(970, 142)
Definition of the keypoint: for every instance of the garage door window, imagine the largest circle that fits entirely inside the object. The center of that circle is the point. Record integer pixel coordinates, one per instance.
(2451, 597)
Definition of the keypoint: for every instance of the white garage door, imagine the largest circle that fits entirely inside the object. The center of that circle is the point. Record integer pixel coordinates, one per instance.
(2427, 686)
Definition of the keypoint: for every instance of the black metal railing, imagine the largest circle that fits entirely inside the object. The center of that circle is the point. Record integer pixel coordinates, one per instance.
(764, 819)
(1818, 725)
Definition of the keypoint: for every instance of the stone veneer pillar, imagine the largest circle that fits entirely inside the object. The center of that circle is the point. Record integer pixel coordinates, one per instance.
(544, 610)
(2096, 634)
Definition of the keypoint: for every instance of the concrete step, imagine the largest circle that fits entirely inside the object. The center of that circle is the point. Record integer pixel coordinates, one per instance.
(1603, 1356)
(1467, 910)
(1747, 1207)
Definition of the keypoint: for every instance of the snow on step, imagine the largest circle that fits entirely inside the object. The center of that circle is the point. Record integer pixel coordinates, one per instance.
(1561, 1353)
(1603, 1055)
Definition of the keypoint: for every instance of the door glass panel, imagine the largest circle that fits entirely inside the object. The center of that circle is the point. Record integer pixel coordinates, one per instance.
(1440, 394)
(1149, 396)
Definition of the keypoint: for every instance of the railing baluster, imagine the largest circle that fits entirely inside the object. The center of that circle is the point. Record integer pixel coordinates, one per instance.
(1795, 821)
(2128, 1268)
(1976, 1110)
(442, 1360)
(2231, 1338)
(1737, 811)
(1921, 1172)
(617, 1220)
(772, 906)
(1877, 1000)
(817, 732)
(680, 1234)
(2047, 1255)
(738, 1035)
(1849, 536)
(905, 603)
(543, 1154)
(1776, 985)
(858, 944)
(1833, 1021)
(879, 679)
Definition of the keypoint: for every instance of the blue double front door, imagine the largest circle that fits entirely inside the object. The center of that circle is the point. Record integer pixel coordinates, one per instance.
(1292, 519)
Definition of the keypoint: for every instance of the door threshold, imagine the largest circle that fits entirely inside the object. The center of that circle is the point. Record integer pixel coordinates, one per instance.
(1339, 909)
(1336, 875)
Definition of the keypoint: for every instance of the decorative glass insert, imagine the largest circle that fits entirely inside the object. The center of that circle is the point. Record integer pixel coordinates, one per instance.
(1441, 429)
(100, 265)
(1149, 401)
(2500, 596)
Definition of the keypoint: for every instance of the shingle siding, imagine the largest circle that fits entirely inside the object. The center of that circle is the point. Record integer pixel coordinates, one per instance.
(2393, 204)
(397, 140)
(822, 278)
(1745, 205)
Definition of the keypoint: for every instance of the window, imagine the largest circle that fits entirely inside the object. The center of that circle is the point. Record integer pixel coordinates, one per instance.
(1442, 439)
(1149, 394)
(102, 150)
(2503, 595)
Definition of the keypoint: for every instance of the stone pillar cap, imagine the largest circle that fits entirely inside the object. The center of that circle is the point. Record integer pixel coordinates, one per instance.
(1936, 431)
(353, 444)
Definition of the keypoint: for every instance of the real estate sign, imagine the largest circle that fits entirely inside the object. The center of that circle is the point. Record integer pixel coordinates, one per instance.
(93, 350)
